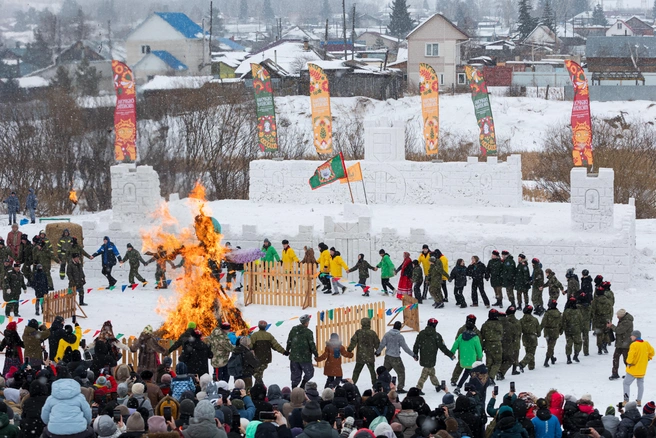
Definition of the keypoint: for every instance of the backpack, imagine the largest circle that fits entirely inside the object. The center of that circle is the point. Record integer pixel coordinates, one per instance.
(235, 365)
(168, 402)
(212, 391)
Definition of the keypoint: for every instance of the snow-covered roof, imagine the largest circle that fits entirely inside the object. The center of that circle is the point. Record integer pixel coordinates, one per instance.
(233, 59)
(175, 82)
(287, 54)
(328, 65)
(182, 24)
(33, 82)
(434, 16)
(230, 44)
(170, 60)
(296, 33)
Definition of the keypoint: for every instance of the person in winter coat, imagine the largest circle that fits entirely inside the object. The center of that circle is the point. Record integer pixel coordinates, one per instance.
(459, 275)
(106, 349)
(628, 419)
(417, 281)
(537, 280)
(508, 272)
(13, 285)
(468, 346)
(522, 280)
(33, 336)
(476, 270)
(63, 248)
(270, 253)
(25, 258)
(263, 343)
(424, 261)
(161, 257)
(13, 241)
(57, 332)
(195, 353)
(109, 256)
(445, 276)
(545, 424)
(393, 341)
(40, 284)
(494, 273)
(11, 344)
(288, 256)
(76, 277)
(134, 259)
(405, 281)
(203, 424)
(324, 267)
(601, 311)
(12, 207)
(640, 353)
(139, 394)
(492, 338)
(333, 357)
(148, 349)
(507, 426)
(386, 271)
(623, 332)
(427, 343)
(301, 348)
(512, 332)
(249, 362)
(66, 411)
(554, 285)
(44, 257)
(221, 347)
(9, 430)
(571, 327)
(182, 382)
(31, 423)
(337, 263)
(363, 267)
(530, 334)
(555, 402)
(31, 204)
(646, 419)
(470, 324)
(610, 421)
(551, 328)
(435, 275)
(407, 417)
(583, 302)
(367, 342)
(314, 426)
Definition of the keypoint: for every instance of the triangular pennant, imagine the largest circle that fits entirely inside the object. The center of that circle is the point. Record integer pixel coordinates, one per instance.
(321, 315)
(2, 319)
(179, 278)
(86, 331)
(279, 323)
(168, 282)
(46, 323)
(331, 314)
(96, 333)
(123, 287)
(89, 290)
(111, 287)
(33, 300)
(11, 319)
(370, 312)
(100, 288)
(267, 327)
(252, 329)
(119, 336)
(381, 312)
(20, 320)
(389, 312)
(353, 282)
(366, 289)
(134, 286)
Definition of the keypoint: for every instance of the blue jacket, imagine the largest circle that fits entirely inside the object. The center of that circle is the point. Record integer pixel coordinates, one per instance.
(12, 204)
(181, 384)
(249, 409)
(31, 202)
(66, 411)
(547, 429)
(105, 249)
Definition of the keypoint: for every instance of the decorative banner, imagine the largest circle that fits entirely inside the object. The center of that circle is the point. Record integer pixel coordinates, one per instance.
(328, 172)
(581, 123)
(125, 114)
(322, 120)
(267, 129)
(354, 173)
(429, 89)
(487, 136)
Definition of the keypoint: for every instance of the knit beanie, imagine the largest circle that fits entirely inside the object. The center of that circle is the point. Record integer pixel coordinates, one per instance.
(157, 424)
(311, 412)
(204, 411)
(122, 389)
(505, 411)
(166, 378)
(384, 430)
(621, 313)
(137, 388)
(239, 384)
(135, 423)
(610, 410)
(451, 425)
(327, 394)
(106, 426)
(649, 408)
(238, 404)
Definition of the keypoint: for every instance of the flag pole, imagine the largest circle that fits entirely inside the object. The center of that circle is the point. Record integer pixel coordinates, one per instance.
(341, 156)
(364, 189)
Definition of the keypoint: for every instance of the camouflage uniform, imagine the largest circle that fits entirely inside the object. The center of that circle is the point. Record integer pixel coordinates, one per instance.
(530, 335)
(457, 371)
(551, 328)
(134, 258)
(573, 286)
(25, 257)
(622, 340)
(522, 283)
(63, 249)
(512, 334)
(554, 286)
(262, 343)
(538, 283)
(5, 254)
(571, 326)
(367, 342)
(221, 347)
(492, 339)
(13, 284)
(161, 258)
(602, 313)
(301, 348)
(435, 274)
(76, 279)
(425, 348)
(508, 274)
(44, 257)
(493, 272)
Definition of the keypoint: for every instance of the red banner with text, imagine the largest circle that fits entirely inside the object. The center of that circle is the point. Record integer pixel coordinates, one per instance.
(125, 114)
(581, 121)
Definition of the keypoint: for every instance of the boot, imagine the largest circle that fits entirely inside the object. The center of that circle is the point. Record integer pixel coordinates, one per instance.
(576, 358)
(521, 367)
(514, 371)
(600, 352)
(303, 382)
(82, 300)
(569, 360)
(546, 362)
(614, 376)
(553, 360)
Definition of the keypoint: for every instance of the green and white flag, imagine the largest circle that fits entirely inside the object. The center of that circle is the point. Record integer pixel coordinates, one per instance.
(329, 172)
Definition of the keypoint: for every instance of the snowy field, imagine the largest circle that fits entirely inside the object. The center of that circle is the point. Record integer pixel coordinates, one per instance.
(131, 310)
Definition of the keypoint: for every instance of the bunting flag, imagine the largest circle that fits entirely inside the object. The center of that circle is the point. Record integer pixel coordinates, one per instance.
(429, 89)
(328, 172)
(487, 136)
(125, 114)
(322, 120)
(581, 121)
(353, 172)
(265, 108)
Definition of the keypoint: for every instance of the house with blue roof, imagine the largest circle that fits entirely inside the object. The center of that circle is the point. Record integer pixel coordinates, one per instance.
(169, 44)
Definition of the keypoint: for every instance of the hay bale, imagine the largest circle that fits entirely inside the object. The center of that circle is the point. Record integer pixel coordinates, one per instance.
(55, 230)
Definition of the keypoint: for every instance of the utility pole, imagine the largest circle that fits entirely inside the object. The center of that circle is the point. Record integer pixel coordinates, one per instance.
(325, 42)
(344, 27)
(109, 37)
(353, 33)
(210, 43)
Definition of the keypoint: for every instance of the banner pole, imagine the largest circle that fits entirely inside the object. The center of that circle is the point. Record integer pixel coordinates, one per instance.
(364, 189)
(348, 180)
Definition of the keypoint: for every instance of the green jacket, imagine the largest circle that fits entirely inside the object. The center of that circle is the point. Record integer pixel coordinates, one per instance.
(417, 275)
(623, 331)
(76, 278)
(221, 347)
(134, 258)
(530, 330)
(13, 285)
(270, 255)
(508, 272)
(512, 332)
(386, 267)
(468, 346)
(44, 258)
(77, 249)
(551, 324)
(553, 284)
(366, 341)
(262, 342)
(571, 322)
(494, 268)
(300, 344)
(601, 311)
(362, 266)
(435, 274)
(26, 253)
(523, 277)
(426, 345)
(573, 287)
(491, 332)
(538, 277)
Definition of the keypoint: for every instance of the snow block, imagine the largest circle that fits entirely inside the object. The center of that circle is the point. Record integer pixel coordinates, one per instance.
(135, 193)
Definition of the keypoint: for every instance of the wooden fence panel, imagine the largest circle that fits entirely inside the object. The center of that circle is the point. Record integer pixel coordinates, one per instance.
(272, 284)
(345, 322)
(130, 357)
(59, 303)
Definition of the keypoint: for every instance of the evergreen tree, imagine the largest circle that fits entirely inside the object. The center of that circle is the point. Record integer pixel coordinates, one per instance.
(69, 10)
(38, 53)
(325, 10)
(62, 79)
(579, 6)
(400, 22)
(548, 17)
(379, 43)
(425, 6)
(87, 78)
(653, 10)
(218, 27)
(81, 29)
(598, 16)
(267, 11)
(243, 10)
(526, 22)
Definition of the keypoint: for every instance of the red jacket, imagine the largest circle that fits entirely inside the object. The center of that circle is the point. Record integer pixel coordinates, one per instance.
(13, 242)
(557, 403)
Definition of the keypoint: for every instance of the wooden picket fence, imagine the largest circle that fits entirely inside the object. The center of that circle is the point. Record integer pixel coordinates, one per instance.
(410, 315)
(345, 321)
(272, 284)
(60, 303)
(133, 358)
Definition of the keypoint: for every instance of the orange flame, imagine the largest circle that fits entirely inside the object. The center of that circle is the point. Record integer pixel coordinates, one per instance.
(72, 195)
(199, 295)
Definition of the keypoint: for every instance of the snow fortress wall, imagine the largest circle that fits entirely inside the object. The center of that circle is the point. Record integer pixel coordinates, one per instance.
(135, 192)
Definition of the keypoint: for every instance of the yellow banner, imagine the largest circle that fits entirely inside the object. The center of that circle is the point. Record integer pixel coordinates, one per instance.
(354, 173)
(322, 121)
(429, 89)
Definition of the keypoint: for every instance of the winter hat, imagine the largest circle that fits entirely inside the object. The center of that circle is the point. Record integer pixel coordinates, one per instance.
(504, 252)
(106, 426)
(238, 404)
(166, 379)
(304, 319)
(11, 326)
(311, 412)
(201, 395)
(599, 279)
(535, 261)
(311, 386)
(542, 404)
(147, 375)
(510, 310)
(432, 322)
(384, 430)
(191, 325)
(649, 408)
(33, 323)
(157, 424)
(610, 410)
(451, 425)
(167, 361)
(181, 368)
(586, 397)
(398, 325)
(553, 304)
(381, 252)
(528, 310)
(205, 380)
(493, 314)
(621, 313)
(630, 406)
(204, 411)
(479, 367)
(636, 334)
(101, 381)
(505, 411)
(239, 384)
(222, 384)
(495, 252)
(424, 246)
(148, 329)
(130, 246)
(327, 395)
(122, 389)
(137, 388)
(448, 399)
(135, 423)
(471, 317)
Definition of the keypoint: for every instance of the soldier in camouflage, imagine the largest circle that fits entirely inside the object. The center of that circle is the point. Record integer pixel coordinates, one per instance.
(134, 258)
(583, 301)
(492, 339)
(493, 273)
(602, 313)
(508, 274)
(571, 326)
(573, 285)
(428, 342)
(530, 335)
(367, 342)
(44, 257)
(512, 334)
(5, 254)
(13, 285)
(263, 342)
(301, 348)
(551, 328)
(623, 332)
(470, 324)
(555, 287)
(76, 277)
(221, 347)
(25, 258)
(435, 274)
(537, 280)
(522, 280)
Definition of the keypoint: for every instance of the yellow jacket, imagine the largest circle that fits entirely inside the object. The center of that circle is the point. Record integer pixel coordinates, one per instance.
(640, 352)
(445, 264)
(63, 345)
(289, 258)
(324, 261)
(336, 265)
(424, 261)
